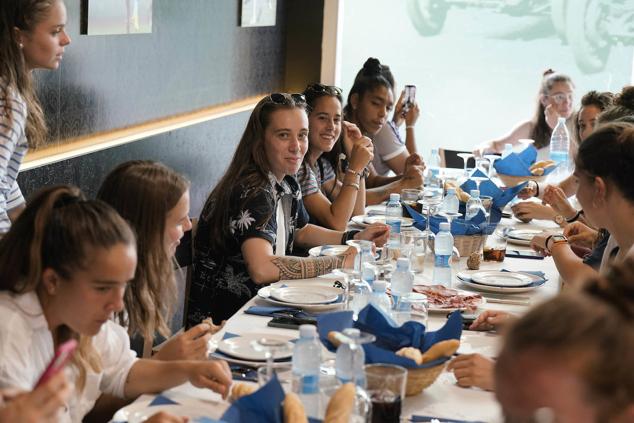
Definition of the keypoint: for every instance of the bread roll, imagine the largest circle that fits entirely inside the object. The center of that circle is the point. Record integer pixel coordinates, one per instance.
(542, 164)
(440, 349)
(411, 353)
(294, 409)
(239, 390)
(341, 405)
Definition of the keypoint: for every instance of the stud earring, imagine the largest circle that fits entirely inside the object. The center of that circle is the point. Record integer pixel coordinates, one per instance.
(21, 46)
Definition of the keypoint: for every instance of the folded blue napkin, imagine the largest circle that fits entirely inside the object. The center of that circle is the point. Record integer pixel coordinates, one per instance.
(271, 311)
(389, 336)
(475, 226)
(501, 197)
(427, 419)
(264, 405)
(518, 164)
(162, 400)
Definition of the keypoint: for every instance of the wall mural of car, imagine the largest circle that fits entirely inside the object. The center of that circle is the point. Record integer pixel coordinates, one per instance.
(590, 27)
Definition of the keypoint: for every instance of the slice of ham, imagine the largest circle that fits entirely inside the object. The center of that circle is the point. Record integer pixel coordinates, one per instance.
(439, 296)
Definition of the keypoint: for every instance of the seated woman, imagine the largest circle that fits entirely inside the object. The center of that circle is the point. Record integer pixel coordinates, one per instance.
(556, 204)
(332, 201)
(66, 263)
(370, 100)
(255, 215)
(605, 191)
(566, 359)
(154, 200)
(555, 100)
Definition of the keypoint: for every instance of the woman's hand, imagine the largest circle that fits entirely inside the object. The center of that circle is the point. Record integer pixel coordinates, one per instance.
(351, 132)
(491, 320)
(413, 177)
(529, 191)
(551, 115)
(412, 114)
(40, 405)
(189, 345)
(473, 370)
(212, 374)
(398, 110)
(362, 153)
(556, 198)
(376, 232)
(528, 210)
(163, 417)
(580, 234)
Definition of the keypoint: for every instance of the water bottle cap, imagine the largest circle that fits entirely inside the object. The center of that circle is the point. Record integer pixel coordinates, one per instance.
(379, 286)
(475, 193)
(444, 226)
(451, 190)
(307, 331)
(402, 263)
(352, 332)
(395, 196)
(561, 120)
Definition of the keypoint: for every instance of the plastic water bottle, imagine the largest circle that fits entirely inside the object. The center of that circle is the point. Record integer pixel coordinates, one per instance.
(559, 145)
(365, 256)
(442, 258)
(474, 205)
(508, 149)
(451, 203)
(305, 366)
(379, 298)
(349, 361)
(402, 280)
(433, 173)
(368, 274)
(393, 215)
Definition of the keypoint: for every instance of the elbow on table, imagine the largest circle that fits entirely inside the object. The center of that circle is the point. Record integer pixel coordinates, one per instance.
(260, 276)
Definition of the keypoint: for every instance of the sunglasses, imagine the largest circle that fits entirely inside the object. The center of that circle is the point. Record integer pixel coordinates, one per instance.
(328, 89)
(561, 97)
(284, 98)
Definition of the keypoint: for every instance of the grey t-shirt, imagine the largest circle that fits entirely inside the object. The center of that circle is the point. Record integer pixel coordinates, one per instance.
(387, 145)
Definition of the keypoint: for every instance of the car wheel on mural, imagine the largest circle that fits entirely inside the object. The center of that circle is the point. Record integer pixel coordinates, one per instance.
(587, 31)
(558, 17)
(428, 16)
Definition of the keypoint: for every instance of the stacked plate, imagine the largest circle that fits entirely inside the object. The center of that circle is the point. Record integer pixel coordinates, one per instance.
(327, 250)
(498, 281)
(366, 220)
(309, 294)
(521, 236)
(244, 347)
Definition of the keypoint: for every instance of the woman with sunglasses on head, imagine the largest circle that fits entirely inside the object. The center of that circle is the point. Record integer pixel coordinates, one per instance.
(330, 200)
(65, 265)
(154, 200)
(255, 215)
(32, 36)
(555, 101)
(605, 191)
(370, 100)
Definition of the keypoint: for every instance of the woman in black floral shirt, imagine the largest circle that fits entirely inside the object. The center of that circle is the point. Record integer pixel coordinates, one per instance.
(255, 214)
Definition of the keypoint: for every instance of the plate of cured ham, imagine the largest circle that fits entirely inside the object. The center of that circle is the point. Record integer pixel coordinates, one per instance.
(442, 299)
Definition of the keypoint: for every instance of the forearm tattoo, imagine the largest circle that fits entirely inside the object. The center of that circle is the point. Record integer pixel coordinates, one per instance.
(310, 267)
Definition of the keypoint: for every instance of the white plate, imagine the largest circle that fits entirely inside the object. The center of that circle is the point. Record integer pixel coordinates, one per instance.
(327, 250)
(265, 294)
(365, 220)
(139, 411)
(242, 346)
(308, 294)
(465, 278)
(521, 236)
(435, 309)
(502, 279)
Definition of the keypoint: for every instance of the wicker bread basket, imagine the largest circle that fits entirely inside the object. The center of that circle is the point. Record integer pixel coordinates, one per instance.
(467, 244)
(512, 181)
(419, 379)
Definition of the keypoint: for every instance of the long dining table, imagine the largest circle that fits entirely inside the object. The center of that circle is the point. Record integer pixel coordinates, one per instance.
(444, 398)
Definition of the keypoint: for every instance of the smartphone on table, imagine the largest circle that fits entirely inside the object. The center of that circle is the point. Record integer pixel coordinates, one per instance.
(290, 322)
(62, 355)
(410, 98)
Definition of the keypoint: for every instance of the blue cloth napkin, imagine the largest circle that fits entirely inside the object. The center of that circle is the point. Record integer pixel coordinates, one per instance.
(427, 419)
(501, 197)
(264, 405)
(475, 226)
(162, 400)
(271, 311)
(389, 336)
(518, 164)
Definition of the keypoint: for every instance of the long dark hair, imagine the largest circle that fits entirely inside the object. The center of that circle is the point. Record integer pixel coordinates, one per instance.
(623, 106)
(248, 170)
(59, 229)
(143, 192)
(600, 100)
(541, 131)
(24, 15)
(373, 74)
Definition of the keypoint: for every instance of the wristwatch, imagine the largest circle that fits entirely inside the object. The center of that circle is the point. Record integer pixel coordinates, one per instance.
(560, 220)
(556, 239)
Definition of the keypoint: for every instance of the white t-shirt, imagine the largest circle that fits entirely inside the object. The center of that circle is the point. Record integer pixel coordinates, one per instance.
(26, 348)
(387, 145)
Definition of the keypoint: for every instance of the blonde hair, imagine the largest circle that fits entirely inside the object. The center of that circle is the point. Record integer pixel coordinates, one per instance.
(143, 192)
(59, 229)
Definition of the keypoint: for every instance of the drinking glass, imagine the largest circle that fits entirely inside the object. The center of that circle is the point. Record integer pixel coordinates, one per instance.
(271, 345)
(487, 203)
(410, 196)
(284, 374)
(386, 387)
(492, 158)
(432, 197)
(413, 246)
(411, 307)
(465, 158)
(362, 403)
(359, 244)
(494, 247)
(349, 276)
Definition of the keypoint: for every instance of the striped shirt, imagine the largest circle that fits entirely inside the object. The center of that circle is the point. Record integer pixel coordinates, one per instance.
(13, 147)
(310, 180)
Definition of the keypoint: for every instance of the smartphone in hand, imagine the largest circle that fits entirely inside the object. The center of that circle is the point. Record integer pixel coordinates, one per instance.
(62, 355)
(410, 98)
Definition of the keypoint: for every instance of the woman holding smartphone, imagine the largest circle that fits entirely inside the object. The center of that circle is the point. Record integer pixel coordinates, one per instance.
(32, 36)
(255, 215)
(66, 263)
(331, 194)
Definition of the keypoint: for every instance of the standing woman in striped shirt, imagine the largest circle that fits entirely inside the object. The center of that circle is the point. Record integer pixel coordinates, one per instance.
(32, 36)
